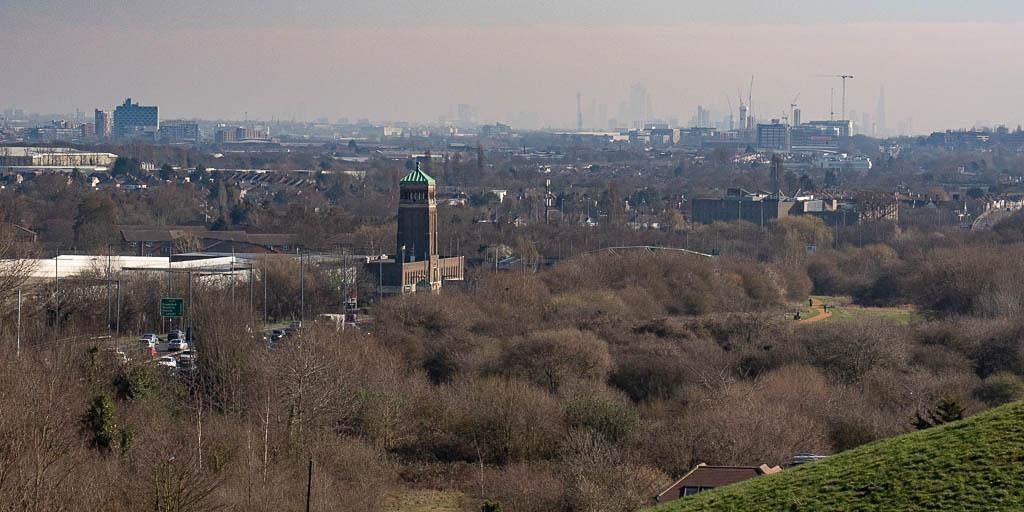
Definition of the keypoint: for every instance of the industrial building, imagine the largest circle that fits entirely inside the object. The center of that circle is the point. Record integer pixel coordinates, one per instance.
(179, 131)
(813, 137)
(762, 208)
(774, 136)
(167, 240)
(33, 159)
(241, 134)
(132, 120)
(56, 131)
(842, 162)
(841, 128)
(104, 123)
(738, 204)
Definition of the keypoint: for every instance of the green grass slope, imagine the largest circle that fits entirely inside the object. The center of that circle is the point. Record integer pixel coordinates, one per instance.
(974, 464)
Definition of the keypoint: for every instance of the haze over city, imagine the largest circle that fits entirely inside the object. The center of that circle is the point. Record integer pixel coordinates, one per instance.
(406, 61)
(511, 256)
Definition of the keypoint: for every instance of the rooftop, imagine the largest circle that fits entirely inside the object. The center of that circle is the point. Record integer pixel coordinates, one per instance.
(417, 176)
(710, 477)
(38, 151)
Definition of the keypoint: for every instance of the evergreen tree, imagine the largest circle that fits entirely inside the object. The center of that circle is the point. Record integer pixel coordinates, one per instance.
(947, 410)
(99, 422)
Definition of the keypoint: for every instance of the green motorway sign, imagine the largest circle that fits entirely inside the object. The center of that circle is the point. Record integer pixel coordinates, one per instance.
(172, 307)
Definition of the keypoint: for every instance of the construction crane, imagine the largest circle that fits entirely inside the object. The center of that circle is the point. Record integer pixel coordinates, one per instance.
(750, 97)
(832, 104)
(843, 77)
(729, 101)
(792, 108)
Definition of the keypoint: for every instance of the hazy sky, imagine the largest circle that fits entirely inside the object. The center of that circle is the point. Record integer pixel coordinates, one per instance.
(944, 63)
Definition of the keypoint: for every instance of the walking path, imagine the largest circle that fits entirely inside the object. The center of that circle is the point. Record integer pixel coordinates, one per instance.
(820, 316)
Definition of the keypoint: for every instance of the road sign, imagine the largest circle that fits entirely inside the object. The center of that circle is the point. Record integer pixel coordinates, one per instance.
(172, 307)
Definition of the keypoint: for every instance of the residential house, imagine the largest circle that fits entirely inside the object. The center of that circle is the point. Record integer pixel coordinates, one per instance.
(704, 478)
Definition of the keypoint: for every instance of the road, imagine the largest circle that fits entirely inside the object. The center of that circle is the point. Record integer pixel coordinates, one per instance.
(990, 218)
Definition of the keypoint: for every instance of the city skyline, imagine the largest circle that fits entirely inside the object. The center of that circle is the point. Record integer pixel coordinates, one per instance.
(418, 64)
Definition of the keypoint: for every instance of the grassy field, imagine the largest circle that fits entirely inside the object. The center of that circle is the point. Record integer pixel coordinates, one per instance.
(425, 500)
(809, 312)
(843, 309)
(974, 464)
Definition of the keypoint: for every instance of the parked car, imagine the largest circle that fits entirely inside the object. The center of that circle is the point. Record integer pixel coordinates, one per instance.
(118, 355)
(167, 361)
(277, 334)
(177, 344)
(187, 360)
(149, 340)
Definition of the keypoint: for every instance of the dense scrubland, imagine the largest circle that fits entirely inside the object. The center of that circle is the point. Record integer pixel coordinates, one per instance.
(585, 386)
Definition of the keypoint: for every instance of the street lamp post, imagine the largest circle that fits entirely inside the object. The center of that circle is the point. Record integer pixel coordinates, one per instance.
(117, 311)
(18, 338)
(188, 335)
(56, 291)
(302, 288)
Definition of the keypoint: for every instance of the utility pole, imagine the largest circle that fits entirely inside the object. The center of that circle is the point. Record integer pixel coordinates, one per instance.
(56, 294)
(309, 485)
(188, 334)
(302, 288)
(252, 304)
(17, 351)
(108, 287)
(117, 314)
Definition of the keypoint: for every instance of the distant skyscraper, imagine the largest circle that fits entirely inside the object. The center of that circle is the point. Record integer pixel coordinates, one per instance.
(579, 111)
(703, 117)
(743, 117)
(639, 103)
(104, 124)
(467, 114)
(133, 120)
(880, 112)
(796, 116)
(907, 126)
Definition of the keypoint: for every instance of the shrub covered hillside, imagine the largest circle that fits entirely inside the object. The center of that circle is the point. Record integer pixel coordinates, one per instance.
(586, 386)
(972, 464)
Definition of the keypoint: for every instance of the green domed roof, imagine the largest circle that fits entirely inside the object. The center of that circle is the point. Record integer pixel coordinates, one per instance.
(417, 176)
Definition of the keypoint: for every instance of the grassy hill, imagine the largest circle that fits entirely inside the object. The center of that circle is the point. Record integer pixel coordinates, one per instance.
(974, 464)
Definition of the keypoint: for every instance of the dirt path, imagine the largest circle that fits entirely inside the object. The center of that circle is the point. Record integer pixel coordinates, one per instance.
(824, 313)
